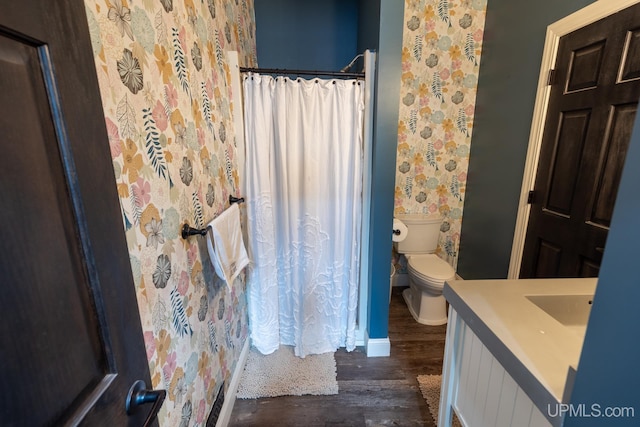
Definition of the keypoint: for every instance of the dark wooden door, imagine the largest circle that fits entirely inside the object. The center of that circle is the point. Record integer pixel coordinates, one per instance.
(71, 341)
(592, 106)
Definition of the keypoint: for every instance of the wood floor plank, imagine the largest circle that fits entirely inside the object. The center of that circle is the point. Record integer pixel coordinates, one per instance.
(373, 391)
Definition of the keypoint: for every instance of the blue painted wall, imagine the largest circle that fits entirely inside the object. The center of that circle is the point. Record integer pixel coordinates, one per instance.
(385, 144)
(509, 68)
(368, 35)
(306, 34)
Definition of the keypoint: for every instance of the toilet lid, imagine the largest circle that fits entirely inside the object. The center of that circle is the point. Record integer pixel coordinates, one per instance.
(431, 266)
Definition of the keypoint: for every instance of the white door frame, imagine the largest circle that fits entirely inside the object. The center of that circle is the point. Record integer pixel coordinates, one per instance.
(583, 17)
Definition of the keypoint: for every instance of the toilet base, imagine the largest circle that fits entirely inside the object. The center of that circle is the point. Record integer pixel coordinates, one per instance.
(430, 310)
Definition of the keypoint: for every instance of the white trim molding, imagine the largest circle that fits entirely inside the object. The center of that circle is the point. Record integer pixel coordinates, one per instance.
(367, 153)
(583, 17)
(232, 390)
(377, 347)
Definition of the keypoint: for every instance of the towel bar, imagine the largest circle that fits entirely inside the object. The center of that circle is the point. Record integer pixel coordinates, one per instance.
(190, 231)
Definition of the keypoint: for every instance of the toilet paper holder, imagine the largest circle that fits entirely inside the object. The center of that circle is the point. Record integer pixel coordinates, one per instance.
(187, 230)
(396, 232)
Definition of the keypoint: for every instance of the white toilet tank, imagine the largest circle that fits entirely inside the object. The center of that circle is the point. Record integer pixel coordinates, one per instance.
(423, 233)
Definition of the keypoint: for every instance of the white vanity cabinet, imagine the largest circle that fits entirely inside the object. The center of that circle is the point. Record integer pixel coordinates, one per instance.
(506, 360)
(478, 387)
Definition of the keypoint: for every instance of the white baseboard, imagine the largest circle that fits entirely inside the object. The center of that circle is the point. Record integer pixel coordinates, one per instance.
(230, 394)
(377, 347)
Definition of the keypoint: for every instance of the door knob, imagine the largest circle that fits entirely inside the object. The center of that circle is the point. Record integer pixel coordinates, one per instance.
(139, 395)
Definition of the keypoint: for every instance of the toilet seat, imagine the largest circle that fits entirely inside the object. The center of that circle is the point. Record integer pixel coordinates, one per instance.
(427, 274)
(430, 270)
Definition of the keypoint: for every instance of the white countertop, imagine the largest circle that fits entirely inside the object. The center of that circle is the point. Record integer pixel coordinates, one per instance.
(503, 318)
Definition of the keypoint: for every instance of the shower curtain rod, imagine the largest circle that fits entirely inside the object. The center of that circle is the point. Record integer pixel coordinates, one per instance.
(300, 72)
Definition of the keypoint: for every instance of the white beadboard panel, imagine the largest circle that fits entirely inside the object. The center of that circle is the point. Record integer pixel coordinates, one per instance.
(537, 418)
(494, 391)
(472, 382)
(463, 378)
(522, 409)
(482, 387)
(478, 387)
(507, 401)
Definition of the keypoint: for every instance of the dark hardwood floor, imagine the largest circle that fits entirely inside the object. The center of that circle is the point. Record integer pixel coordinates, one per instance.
(377, 391)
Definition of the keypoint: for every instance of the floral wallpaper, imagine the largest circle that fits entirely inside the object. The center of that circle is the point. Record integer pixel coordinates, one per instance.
(442, 42)
(166, 93)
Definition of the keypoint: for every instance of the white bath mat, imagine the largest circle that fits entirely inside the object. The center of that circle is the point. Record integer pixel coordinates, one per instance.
(430, 388)
(283, 374)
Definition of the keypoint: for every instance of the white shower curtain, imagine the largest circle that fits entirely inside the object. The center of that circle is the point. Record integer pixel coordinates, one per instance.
(303, 191)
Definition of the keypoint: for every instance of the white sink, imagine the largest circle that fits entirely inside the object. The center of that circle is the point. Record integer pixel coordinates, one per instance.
(571, 311)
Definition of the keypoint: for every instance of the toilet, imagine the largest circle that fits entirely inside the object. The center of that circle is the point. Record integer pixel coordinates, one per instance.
(427, 271)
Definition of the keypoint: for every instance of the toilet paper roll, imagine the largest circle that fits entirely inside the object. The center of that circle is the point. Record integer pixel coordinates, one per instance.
(399, 230)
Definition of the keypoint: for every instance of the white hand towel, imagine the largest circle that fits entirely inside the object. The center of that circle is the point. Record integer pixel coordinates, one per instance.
(226, 248)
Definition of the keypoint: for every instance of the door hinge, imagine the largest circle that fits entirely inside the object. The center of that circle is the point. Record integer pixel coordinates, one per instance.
(530, 197)
(551, 77)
